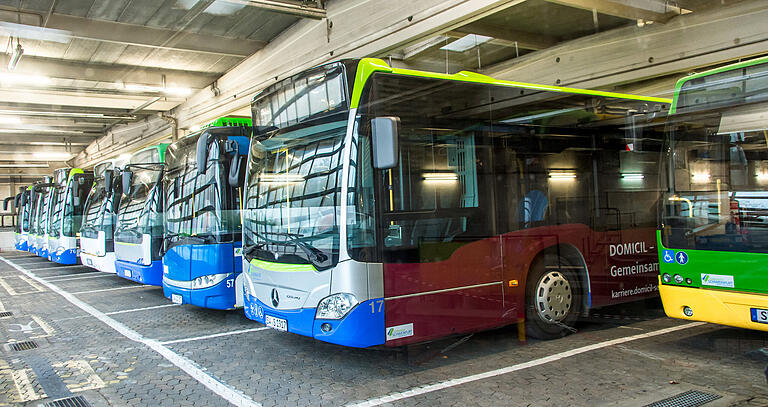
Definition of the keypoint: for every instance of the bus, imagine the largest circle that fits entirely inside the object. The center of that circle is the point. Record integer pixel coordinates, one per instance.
(38, 229)
(204, 177)
(97, 244)
(34, 219)
(139, 230)
(66, 212)
(22, 203)
(388, 206)
(713, 228)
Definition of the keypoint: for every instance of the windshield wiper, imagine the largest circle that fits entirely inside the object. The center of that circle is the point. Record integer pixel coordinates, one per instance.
(318, 259)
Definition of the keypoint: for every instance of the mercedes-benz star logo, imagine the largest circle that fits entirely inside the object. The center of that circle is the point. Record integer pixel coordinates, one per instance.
(275, 298)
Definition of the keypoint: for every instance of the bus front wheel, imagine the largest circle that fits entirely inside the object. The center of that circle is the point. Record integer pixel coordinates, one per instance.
(553, 298)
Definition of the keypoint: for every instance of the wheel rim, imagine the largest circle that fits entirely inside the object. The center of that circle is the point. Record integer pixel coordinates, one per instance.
(553, 296)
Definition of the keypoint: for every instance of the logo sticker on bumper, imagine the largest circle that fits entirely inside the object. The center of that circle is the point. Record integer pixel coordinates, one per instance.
(717, 280)
(400, 331)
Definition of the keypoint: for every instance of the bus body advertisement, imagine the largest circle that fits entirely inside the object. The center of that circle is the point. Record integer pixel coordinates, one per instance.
(97, 245)
(202, 263)
(713, 233)
(387, 206)
(66, 212)
(139, 231)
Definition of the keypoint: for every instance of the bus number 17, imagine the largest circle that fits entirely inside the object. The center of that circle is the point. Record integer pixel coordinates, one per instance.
(373, 306)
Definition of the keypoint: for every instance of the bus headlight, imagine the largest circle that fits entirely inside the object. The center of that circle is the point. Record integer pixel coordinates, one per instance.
(209, 280)
(335, 306)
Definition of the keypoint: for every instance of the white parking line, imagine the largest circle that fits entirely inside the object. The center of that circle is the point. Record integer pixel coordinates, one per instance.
(125, 311)
(114, 289)
(53, 267)
(197, 338)
(79, 277)
(417, 391)
(225, 391)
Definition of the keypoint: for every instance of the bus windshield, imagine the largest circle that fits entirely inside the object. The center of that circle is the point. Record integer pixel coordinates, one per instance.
(57, 207)
(292, 195)
(97, 215)
(139, 210)
(194, 201)
(717, 164)
(45, 203)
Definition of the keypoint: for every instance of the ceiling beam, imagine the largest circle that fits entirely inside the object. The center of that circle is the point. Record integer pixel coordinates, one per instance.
(143, 36)
(32, 65)
(293, 8)
(46, 139)
(626, 55)
(648, 10)
(507, 36)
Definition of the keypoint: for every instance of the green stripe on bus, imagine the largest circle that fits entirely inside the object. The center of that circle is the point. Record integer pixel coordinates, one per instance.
(271, 266)
(369, 66)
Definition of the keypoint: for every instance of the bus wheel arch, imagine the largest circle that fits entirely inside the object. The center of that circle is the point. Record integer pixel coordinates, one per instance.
(556, 291)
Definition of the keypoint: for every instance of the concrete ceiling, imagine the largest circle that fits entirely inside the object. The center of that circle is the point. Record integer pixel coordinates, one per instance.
(98, 74)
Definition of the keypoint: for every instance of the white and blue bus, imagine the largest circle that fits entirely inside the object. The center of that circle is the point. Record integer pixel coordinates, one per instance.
(66, 212)
(97, 234)
(38, 228)
(139, 230)
(204, 175)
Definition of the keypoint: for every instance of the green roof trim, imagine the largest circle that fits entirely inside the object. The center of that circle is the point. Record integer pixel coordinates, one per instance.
(368, 66)
(271, 266)
(738, 65)
(72, 173)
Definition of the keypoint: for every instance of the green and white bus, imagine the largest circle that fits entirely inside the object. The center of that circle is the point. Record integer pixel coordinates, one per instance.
(713, 233)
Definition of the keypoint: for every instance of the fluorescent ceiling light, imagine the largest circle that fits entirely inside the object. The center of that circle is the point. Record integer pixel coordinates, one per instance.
(23, 165)
(18, 51)
(466, 42)
(9, 120)
(52, 155)
(632, 176)
(562, 175)
(20, 79)
(440, 176)
(281, 178)
(175, 91)
(32, 32)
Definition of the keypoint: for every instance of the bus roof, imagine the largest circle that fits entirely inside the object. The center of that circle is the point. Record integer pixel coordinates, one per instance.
(368, 66)
(230, 121)
(161, 148)
(683, 80)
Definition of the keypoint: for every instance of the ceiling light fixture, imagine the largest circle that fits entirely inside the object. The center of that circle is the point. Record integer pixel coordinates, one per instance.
(23, 165)
(173, 91)
(466, 42)
(18, 79)
(52, 155)
(9, 120)
(16, 55)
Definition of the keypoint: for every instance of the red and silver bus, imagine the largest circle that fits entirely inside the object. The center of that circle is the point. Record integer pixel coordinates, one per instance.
(387, 206)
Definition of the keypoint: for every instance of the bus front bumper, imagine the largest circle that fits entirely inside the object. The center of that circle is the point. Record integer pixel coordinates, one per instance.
(360, 328)
(104, 263)
(22, 245)
(149, 275)
(217, 297)
(64, 256)
(715, 306)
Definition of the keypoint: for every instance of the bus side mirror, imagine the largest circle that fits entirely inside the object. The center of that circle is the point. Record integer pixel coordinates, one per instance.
(16, 200)
(385, 132)
(235, 165)
(76, 182)
(108, 180)
(5, 203)
(202, 153)
(126, 179)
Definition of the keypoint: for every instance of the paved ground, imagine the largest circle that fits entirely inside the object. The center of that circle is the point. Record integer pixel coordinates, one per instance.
(118, 343)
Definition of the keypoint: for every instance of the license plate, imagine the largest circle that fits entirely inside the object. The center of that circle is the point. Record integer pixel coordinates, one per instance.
(276, 323)
(176, 299)
(89, 262)
(759, 315)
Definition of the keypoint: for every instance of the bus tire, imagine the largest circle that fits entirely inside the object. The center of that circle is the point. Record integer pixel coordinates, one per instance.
(552, 298)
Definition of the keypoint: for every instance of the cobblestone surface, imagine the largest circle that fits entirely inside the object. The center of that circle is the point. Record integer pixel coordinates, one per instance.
(78, 354)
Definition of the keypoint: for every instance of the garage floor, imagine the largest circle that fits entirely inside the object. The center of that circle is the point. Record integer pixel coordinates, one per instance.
(117, 343)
